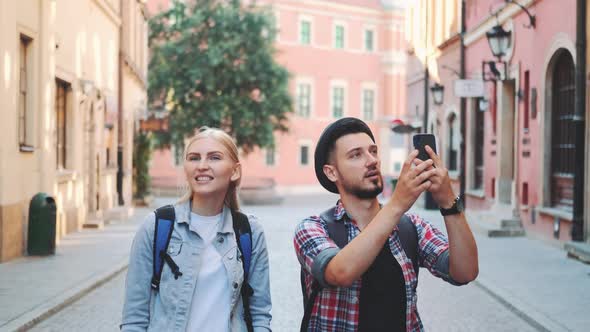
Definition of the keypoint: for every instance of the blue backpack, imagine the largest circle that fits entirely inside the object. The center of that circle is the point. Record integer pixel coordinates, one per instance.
(165, 219)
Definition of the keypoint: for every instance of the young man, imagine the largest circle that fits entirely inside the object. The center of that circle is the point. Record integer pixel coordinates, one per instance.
(370, 283)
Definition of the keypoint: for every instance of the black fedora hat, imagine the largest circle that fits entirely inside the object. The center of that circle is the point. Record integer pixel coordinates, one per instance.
(326, 143)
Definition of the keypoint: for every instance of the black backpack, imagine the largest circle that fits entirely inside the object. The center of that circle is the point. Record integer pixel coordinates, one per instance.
(165, 219)
(408, 236)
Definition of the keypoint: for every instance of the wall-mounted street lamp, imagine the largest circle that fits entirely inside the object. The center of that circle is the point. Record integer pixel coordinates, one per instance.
(532, 18)
(499, 41)
(484, 104)
(438, 93)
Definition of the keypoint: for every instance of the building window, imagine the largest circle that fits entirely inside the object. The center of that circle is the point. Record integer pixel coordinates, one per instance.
(337, 102)
(304, 100)
(110, 151)
(369, 40)
(562, 133)
(177, 155)
(478, 146)
(304, 155)
(305, 32)
(61, 93)
(339, 36)
(24, 108)
(368, 104)
(452, 157)
(270, 156)
(527, 87)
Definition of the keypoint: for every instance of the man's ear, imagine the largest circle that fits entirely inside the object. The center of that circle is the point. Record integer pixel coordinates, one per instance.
(237, 173)
(331, 172)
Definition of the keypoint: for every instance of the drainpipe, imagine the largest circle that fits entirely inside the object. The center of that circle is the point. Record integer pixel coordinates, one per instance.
(121, 201)
(426, 82)
(463, 102)
(426, 74)
(579, 123)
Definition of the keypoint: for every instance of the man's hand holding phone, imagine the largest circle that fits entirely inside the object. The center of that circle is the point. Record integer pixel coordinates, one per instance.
(412, 182)
(440, 188)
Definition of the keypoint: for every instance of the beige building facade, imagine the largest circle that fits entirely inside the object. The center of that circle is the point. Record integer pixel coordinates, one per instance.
(63, 67)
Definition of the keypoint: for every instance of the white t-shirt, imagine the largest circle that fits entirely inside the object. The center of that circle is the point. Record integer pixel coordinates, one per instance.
(210, 308)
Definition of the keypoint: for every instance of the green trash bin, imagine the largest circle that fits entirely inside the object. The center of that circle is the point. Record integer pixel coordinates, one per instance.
(42, 214)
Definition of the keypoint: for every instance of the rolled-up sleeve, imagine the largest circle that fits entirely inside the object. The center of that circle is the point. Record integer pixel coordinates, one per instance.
(314, 248)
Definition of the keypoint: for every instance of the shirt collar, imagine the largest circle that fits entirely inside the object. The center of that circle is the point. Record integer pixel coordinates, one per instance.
(340, 212)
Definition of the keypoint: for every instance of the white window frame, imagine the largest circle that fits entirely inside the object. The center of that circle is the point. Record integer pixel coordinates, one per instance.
(26, 143)
(337, 24)
(275, 157)
(372, 86)
(374, 30)
(310, 82)
(301, 19)
(338, 84)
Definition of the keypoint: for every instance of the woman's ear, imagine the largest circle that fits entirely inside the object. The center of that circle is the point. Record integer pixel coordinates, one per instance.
(237, 173)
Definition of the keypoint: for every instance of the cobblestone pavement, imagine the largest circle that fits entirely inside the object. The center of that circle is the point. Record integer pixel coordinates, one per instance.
(442, 306)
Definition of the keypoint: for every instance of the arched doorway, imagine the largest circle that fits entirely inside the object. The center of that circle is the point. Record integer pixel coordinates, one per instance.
(562, 132)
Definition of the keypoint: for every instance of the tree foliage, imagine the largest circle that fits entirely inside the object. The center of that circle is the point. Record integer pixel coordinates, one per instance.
(141, 159)
(213, 63)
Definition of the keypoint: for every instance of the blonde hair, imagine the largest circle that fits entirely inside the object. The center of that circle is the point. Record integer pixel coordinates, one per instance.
(231, 197)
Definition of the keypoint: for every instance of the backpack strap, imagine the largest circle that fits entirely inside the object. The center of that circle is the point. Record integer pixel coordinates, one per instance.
(165, 218)
(336, 230)
(408, 236)
(243, 234)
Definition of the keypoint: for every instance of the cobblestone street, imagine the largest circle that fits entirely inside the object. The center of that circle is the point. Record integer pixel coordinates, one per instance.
(442, 307)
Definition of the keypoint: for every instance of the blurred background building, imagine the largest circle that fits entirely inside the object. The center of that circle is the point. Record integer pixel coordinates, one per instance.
(518, 63)
(346, 58)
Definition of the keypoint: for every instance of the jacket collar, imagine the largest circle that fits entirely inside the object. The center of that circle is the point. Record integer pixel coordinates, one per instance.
(183, 214)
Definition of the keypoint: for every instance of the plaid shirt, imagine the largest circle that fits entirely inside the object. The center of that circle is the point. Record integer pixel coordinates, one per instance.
(337, 309)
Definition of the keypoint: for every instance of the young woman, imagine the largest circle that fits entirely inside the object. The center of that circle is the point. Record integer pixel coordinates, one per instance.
(204, 292)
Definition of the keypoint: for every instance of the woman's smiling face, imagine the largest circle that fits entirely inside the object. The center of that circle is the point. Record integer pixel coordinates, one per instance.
(208, 167)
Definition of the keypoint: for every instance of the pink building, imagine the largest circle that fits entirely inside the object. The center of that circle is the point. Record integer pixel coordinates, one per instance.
(520, 150)
(345, 59)
(519, 143)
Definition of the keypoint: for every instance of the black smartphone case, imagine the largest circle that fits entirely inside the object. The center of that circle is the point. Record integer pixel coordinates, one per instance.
(421, 140)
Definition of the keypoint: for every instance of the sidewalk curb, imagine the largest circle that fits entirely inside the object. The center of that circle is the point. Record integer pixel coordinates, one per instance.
(526, 312)
(64, 299)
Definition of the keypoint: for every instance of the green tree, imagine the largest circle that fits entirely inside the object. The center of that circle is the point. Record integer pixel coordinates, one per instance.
(213, 64)
(141, 159)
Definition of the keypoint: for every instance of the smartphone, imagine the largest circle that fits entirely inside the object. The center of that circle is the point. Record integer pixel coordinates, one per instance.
(420, 141)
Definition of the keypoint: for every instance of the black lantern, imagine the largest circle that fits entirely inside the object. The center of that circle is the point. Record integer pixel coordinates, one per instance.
(499, 40)
(438, 93)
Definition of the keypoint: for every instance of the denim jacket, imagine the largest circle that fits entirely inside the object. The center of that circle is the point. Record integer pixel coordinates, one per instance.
(168, 309)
